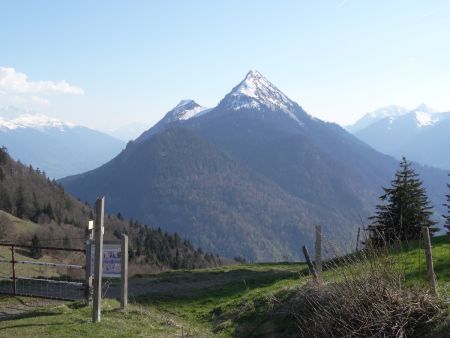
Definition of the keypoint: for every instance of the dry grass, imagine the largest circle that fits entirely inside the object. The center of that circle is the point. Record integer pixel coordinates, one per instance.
(366, 296)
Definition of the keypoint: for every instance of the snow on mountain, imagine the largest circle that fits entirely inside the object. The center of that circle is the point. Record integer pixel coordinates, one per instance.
(422, 116)
(423, 108)
(425, 116)
(34, 121)
(377, 115)
(389, 111)
(425, 119)
(415, 135)
(256, 92)
(185, 110)
(59, 148)
(13, 118)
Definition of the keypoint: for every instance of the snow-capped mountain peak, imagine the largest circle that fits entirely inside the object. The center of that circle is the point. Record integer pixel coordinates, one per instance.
(31, 120)
(389, 111)
(256, 92)
(425, 119)
(423, 108)
(184, 110)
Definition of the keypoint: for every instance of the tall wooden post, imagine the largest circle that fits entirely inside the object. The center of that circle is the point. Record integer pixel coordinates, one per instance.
(88, 248)
(98, 266)
(429, 259)
(318, 247)
(124, 272)
(88, 279)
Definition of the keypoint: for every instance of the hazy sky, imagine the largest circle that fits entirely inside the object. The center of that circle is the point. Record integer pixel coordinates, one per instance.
(109, 63)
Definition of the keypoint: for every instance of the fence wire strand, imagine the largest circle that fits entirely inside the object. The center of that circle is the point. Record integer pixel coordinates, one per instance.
(56, 279)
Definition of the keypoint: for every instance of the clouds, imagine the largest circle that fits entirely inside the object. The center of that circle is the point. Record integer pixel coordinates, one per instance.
(16, 87)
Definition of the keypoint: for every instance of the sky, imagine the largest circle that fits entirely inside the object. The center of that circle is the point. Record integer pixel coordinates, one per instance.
(105, 64)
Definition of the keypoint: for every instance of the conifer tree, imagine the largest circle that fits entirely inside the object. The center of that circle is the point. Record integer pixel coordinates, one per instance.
(36, 251)
(406, 209)
(20, 202)
(447, 217)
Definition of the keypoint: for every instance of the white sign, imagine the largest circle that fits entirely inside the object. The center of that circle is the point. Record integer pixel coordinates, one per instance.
(112, 254)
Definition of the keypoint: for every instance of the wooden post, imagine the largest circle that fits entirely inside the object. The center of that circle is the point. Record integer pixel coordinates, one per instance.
(357, 239)
(429, 259)
(98, 266)
(124, 272)
(310, 265)
(88, 248)
(88, 280)
(318, 247)
(13, 262)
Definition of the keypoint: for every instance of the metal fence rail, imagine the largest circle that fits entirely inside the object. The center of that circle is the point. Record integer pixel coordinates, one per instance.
(56, 284)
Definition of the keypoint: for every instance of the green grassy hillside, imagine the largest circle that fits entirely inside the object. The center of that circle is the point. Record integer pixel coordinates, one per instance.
(236, 301)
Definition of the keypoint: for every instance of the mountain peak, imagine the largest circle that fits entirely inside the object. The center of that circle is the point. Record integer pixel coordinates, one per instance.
(184, 110)
(424, 109)
(186, 102)
(389, 111)
(28, 119)
(256, 92)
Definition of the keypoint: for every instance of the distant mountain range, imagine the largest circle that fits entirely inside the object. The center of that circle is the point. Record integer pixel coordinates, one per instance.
(129, 131)
(251, 176)
(56, 147)
(421, 134)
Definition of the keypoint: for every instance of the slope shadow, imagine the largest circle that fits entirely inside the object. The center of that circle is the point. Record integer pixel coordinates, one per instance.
(201, 285)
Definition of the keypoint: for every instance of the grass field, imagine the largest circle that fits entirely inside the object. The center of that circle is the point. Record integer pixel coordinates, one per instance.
(242, 301)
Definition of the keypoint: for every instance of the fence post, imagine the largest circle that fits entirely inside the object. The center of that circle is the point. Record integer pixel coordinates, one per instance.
(357, 239)
(124, 272)
(13, 262)
(88, 248)
(88, 286)
(318, 247)
(98, 266)
(310, 265)
(429, 259)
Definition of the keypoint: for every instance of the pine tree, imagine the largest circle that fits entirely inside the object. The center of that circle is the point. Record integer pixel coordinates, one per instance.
(20, 202)
(447, 217)
(405, 210)
(36, 251)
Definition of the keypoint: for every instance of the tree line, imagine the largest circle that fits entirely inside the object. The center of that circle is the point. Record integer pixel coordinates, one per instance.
(27, 193)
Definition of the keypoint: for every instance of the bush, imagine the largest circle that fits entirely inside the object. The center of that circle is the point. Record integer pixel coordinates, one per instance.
(368, 298)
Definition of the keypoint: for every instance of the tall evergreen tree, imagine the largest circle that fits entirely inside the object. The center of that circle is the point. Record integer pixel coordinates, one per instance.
(20, 202)
(406, 209)
(447, 217)
(36, 251)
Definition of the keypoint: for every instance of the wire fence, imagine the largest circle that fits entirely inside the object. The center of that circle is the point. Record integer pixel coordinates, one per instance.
(59, 274)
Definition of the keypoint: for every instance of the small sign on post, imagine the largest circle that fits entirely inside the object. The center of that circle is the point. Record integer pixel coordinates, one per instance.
(111, 261)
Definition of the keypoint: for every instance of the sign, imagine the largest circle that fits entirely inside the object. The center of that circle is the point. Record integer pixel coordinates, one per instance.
(111, 260)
